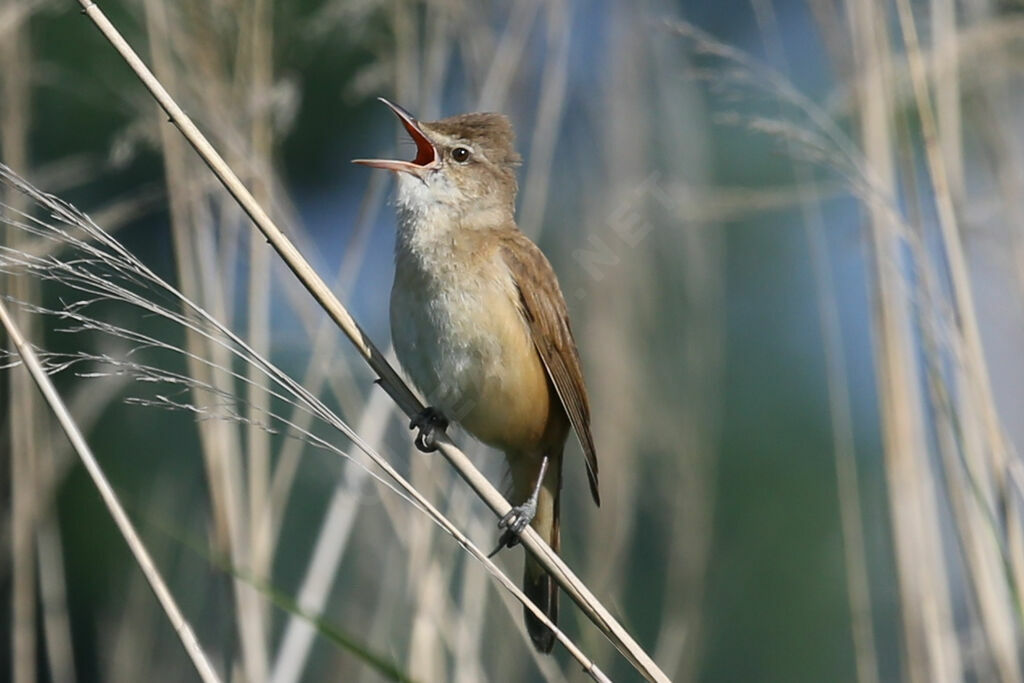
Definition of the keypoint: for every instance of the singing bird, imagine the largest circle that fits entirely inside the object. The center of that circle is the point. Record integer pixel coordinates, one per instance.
(480, 325)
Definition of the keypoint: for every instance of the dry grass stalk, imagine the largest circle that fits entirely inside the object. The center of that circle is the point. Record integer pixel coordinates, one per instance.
(966, 317)
(988, 450)
(124, 525)
(258, 38)
(218, 438)
(23, 416)
(931, 649)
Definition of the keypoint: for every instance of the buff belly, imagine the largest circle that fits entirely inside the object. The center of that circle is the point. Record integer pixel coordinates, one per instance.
(469, 352)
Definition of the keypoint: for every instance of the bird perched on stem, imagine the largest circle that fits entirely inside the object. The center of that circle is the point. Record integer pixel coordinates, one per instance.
(480, 325)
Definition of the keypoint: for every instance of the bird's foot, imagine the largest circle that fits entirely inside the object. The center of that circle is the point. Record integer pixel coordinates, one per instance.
(519, 517)
(513, 523)
(429, 422)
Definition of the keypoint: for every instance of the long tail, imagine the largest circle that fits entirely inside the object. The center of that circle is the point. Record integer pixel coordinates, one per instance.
(538, 584)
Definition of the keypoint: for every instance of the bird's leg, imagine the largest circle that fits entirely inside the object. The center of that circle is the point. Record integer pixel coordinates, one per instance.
(520, 516)
(429, 422)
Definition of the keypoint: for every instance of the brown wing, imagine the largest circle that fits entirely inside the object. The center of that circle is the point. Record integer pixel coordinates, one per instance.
(544, 309)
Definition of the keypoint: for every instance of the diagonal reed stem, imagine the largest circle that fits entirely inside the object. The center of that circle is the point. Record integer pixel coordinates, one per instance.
(389, 379)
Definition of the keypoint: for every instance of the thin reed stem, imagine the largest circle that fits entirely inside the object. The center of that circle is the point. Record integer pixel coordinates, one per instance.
(931, 650)
(23, 416)
(124, 525)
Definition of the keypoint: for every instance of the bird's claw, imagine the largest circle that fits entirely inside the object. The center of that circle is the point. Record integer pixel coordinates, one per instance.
(519, 517)
(429, 422)
(514, 522)
(506, 540)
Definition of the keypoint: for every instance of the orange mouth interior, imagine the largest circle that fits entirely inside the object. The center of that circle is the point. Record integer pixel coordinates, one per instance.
(424, 148)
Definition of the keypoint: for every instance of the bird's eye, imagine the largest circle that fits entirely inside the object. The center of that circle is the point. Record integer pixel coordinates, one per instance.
(460, 154)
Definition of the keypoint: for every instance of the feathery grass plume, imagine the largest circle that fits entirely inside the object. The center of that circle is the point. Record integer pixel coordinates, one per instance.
(97, 269)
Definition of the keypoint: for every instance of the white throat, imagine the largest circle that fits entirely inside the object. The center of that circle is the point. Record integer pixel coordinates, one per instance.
(428, 216)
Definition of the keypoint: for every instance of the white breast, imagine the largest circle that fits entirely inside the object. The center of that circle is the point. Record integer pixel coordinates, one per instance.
(439, 305)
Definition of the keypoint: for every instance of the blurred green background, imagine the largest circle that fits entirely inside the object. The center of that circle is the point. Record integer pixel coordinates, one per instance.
(706, 243)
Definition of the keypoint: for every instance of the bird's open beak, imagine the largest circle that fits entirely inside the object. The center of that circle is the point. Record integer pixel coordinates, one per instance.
(426, 153)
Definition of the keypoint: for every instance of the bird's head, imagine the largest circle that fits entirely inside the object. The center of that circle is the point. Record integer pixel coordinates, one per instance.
(464, 164)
